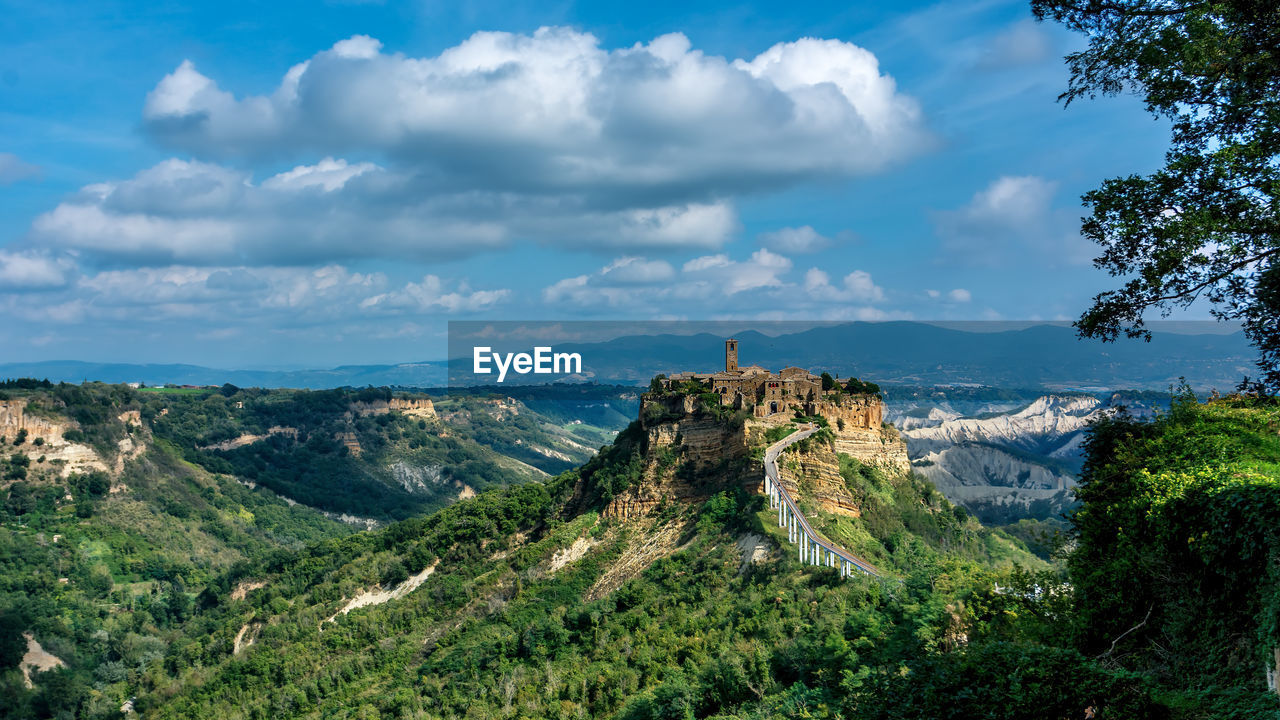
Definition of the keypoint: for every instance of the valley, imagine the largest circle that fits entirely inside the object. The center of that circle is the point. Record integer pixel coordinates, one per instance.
(369, 553)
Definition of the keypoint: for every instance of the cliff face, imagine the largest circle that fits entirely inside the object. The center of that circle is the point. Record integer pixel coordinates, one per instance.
(412, 406)
(815, 475)
(812, 470)
(13, 417)
(689, 456)
(56, 452)
(858, 424)
(691, 453)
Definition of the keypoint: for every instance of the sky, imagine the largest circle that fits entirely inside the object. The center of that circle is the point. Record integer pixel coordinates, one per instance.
(310, 184)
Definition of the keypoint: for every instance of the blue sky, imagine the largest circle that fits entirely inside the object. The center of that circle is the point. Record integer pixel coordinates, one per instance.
(311, 184)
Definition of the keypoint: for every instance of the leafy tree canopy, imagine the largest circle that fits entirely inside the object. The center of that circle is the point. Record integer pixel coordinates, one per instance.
(1207, 225)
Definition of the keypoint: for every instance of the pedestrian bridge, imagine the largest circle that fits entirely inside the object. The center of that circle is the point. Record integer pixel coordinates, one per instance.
(813, 549)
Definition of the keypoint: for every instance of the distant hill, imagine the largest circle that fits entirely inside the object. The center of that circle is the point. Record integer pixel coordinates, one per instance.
(1039, 356)
(422, 374)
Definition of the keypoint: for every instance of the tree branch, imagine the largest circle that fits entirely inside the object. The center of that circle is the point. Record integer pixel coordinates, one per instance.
(1126, 632)
(1195, 290)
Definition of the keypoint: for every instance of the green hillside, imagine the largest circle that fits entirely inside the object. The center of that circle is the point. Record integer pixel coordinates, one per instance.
(525, 602)
(127, 521)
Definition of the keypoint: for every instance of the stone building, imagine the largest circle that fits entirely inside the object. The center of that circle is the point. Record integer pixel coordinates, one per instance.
(755, 388)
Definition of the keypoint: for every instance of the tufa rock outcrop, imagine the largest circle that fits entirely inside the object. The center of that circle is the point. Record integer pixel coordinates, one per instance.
(692, 447)
(59, 453)
(688, 454)
(412, 406)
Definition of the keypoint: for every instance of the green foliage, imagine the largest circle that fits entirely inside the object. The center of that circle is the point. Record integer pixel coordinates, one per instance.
(394, 574)
(618, 466)
(13, 623)
(777, 433)
(858, 387)
(1205, 225)
(1178, 541)
(24, 384)
(1003, 680)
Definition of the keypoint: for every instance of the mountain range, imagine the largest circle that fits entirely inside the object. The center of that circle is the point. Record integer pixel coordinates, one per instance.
(1045, 356)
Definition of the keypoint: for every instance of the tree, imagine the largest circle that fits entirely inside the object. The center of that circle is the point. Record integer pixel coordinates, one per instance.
(13, 645)
(1207, 225)
(98, 583)
(828, 382)
(858, 387)
(655, 385)
(395, 574)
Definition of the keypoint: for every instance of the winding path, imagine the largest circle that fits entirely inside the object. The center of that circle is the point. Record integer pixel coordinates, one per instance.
(813, 549)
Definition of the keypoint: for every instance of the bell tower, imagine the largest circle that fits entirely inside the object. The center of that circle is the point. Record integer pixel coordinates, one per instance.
(730, 355)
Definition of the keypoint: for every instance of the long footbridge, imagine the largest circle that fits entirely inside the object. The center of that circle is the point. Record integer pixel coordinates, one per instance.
(812, 548)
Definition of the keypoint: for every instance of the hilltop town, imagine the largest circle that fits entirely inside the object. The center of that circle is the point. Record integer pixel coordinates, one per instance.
(763, 392)
(698, 433)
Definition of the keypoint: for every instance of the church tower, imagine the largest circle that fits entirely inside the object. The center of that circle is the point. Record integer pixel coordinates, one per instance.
(730, 355)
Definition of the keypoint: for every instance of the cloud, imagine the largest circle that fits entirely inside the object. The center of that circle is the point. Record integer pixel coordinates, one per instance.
(1023, 43)
(721, 287)
(1011, 221)
(857, 286)
(192, 212)
(795, 240)
(637, 271)
(237, 296)
(762, 270)
(505, 138)
(959, 295)
(434, 294)
(21, 271)
(13, 169)
(634, 283)
(555, 111)
(328, 174)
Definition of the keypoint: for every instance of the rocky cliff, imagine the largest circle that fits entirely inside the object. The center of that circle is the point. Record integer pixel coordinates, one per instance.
(412, 406)
(688, 454)
(857, 421)
(45, 442)
(1003, 462)
(813, 473)
(691, 451)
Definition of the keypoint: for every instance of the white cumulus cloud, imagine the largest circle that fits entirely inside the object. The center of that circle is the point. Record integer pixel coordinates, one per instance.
(504, 138)
(857, 286)
(436, 294)
(556, 109)
(33, 271)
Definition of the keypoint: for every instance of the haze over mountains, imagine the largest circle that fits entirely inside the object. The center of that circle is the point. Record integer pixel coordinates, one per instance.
(1044, 356)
